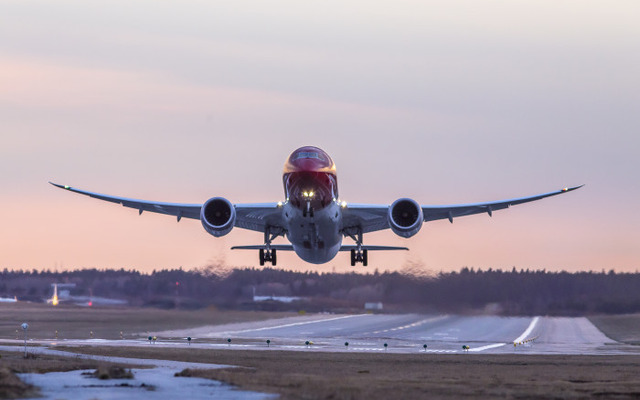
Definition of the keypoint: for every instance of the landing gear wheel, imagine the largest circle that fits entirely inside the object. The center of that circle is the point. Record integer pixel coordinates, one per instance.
(365, 258)
(261, 257)
(273, 257)
(353, 258)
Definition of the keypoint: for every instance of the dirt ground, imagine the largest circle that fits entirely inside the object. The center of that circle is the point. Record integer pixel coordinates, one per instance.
(320, 375)
(74, 322)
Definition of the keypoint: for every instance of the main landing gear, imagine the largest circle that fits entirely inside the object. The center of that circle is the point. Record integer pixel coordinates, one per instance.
(357, 254)
(268, 254)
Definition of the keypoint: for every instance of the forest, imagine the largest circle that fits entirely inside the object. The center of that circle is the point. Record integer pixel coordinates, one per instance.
(511, 292)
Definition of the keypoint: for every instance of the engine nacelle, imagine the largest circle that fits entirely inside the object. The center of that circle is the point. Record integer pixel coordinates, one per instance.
(218, 216)
(405, 217)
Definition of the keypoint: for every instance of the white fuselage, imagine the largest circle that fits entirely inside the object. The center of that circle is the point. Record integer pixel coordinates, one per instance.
(316, 239)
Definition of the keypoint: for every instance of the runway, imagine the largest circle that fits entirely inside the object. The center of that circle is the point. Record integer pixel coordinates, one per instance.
(407, 333)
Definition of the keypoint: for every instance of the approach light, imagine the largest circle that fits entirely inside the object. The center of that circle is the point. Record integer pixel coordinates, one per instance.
(343, 204)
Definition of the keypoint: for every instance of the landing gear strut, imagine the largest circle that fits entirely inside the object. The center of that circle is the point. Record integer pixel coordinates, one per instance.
(358, 254)
(268, 254)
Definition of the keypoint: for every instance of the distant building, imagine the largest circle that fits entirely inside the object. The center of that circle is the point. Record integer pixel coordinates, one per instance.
(373, 306)
(282, 299)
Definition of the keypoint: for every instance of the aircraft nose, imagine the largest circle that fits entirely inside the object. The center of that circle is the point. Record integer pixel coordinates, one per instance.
(309, 164)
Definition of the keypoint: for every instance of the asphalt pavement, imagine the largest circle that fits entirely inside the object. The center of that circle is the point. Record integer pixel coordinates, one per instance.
(410, 332)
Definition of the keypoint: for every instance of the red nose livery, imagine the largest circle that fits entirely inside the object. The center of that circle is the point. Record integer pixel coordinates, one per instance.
(309, 177)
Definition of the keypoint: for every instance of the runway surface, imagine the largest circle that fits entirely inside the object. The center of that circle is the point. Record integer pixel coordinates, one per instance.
(405, 333)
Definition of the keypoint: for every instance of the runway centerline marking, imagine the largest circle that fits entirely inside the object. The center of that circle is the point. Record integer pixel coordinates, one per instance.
(528, 331)
(294, 324)
(424, 321)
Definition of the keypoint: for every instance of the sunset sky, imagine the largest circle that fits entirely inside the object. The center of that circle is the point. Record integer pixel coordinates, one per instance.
(445, 102)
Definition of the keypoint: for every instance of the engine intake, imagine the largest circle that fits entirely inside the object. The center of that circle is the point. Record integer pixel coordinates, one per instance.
(218, 216)
(405, 217)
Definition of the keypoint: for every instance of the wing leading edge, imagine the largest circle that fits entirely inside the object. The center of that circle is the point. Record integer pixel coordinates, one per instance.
(248, 216)
(176, 209)
(368, 217)
(373, 218)
(432, 213)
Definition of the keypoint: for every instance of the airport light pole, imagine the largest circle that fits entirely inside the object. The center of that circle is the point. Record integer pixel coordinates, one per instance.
(25, 326)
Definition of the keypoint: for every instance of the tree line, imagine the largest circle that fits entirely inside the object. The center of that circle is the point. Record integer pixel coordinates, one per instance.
(512, 292)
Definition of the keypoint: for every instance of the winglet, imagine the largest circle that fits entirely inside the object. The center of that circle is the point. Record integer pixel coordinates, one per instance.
(60, 186)
(569, 189)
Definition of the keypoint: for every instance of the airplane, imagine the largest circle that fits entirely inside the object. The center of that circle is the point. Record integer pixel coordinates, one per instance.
(312, 217)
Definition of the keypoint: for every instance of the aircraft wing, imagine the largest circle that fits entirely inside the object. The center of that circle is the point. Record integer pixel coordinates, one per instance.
(248, 216)
(374, 217)
(288, 247)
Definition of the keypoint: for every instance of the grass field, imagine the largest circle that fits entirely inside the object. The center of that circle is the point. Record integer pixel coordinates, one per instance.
(320, 375)
(74, 322)
(622, 328)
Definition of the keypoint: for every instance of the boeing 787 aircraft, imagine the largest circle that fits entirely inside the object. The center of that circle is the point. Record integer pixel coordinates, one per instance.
(312, 216)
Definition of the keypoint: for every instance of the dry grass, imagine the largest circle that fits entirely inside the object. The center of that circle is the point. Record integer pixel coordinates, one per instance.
(11, 387)
(319, 375)
(622, 328)
(42, 363)
(74, 322)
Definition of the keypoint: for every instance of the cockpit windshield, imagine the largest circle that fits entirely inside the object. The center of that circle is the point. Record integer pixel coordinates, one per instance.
(306, 154)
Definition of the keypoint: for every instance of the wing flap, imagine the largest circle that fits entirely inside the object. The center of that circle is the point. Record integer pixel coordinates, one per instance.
(372, 248)
(279, 247)
(288, 247)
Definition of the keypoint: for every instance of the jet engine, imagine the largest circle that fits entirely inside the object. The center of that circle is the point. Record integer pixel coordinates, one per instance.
(218, 216)
(405, 217)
